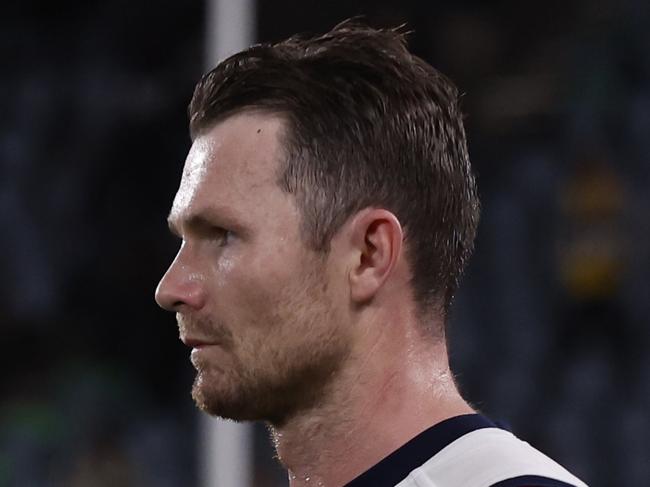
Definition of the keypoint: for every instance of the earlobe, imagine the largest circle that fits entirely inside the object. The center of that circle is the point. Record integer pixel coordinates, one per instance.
(377, 244)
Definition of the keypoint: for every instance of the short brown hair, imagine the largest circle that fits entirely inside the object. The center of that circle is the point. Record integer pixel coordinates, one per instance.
(368, 125)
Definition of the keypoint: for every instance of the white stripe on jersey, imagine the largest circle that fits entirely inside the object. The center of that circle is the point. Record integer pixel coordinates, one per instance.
(484, 457)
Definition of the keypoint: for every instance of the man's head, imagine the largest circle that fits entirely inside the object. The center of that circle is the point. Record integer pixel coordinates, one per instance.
(368, 125)
(326, 176)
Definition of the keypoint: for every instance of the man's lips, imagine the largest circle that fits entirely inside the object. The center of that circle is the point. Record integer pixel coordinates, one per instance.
(194, 342)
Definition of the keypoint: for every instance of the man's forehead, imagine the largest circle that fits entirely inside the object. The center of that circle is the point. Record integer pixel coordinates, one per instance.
(195, 172)
(233, 158)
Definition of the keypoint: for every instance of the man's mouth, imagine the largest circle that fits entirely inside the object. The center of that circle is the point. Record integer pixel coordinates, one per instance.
(196, 342)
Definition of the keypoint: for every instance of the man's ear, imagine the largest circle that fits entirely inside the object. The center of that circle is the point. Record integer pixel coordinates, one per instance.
(376, 243)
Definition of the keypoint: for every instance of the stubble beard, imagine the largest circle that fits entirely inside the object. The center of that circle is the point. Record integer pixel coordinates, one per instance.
(273, 377)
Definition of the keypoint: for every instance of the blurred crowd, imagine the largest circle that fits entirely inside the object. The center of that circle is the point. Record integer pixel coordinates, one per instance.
(549, 334)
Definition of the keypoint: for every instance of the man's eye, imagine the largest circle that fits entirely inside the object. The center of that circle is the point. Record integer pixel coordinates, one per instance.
(221, 235)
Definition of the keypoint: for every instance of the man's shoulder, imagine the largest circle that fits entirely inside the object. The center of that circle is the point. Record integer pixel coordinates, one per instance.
(495, 457)
(467, 451)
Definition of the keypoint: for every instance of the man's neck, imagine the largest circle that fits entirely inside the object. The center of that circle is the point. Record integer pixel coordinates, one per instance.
(379, 402)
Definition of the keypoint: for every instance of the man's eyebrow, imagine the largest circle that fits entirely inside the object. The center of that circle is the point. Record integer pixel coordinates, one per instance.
(172, 227)
(203, 220)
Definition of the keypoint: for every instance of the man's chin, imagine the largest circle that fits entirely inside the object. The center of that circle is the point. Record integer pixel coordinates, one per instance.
(222, 404)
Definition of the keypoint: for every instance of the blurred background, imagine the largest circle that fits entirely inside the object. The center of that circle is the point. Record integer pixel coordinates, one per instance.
(550, 332)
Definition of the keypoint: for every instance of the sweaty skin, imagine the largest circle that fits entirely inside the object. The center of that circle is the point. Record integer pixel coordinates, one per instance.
(326, 349)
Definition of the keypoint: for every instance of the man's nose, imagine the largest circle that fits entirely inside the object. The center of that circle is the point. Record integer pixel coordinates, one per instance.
(180, 287)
